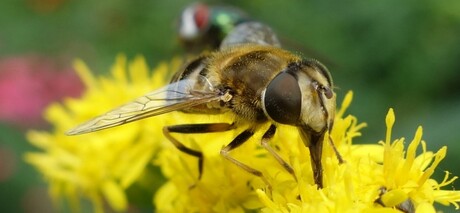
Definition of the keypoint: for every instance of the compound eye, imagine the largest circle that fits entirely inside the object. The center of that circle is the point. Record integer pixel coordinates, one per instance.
(282, 100)
(201, 16)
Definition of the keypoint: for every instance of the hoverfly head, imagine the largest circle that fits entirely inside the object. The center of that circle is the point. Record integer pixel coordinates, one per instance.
(301, 94)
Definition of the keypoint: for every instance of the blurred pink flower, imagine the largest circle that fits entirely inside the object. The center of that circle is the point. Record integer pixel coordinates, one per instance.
(28, 84)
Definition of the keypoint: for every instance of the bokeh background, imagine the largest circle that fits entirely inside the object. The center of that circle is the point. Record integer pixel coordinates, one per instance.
(400, 54)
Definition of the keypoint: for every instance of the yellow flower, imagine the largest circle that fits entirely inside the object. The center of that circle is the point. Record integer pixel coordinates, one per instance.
(374, 178)
(408, 175)
(100, 166)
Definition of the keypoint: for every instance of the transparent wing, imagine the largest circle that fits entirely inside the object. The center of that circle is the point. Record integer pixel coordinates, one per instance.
(176, 96)
(251, 32)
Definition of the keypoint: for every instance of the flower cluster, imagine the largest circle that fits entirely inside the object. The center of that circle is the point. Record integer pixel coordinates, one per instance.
(101, 166)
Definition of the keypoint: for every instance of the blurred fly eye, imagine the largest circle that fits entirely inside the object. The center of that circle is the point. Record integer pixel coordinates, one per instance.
(282, 100)
(201, 16)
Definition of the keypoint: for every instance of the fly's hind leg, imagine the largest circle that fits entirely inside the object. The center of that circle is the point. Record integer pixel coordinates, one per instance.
(194, 129)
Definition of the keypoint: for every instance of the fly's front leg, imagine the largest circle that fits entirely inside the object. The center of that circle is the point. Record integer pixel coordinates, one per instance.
(265, 139)
(194, 129)
(336, 151)
(238, 141)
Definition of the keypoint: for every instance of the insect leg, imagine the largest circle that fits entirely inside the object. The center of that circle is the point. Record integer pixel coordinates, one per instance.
(265, 138)
(238, 141)
(193, 129)
(337, 153)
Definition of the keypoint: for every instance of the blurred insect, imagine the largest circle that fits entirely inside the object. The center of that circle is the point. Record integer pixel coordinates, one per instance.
(202, 26)
(206, 27)
(253, 79)
(406, 206)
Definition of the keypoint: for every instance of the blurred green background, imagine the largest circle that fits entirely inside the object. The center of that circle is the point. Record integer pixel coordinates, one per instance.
(400, 54)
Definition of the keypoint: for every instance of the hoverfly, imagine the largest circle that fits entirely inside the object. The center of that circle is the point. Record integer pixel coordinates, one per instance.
(253, 79)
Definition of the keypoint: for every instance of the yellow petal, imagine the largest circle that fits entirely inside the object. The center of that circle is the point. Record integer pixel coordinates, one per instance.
(137, 165)
(115, 195)
(438, 158)
(446, 197)
(119, 69)
(84, 73)
(411, 150)
(394, 197)
(345, 104)
(425, 208)
(266, 200)
(138, 70)
(389, 120)
(39, 139)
